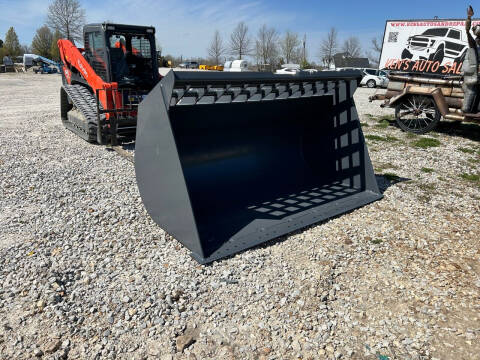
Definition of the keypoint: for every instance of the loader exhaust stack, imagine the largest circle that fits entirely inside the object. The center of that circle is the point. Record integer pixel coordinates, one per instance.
(227, 161)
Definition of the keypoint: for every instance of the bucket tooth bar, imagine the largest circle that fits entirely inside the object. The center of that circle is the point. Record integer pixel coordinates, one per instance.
(227, 161)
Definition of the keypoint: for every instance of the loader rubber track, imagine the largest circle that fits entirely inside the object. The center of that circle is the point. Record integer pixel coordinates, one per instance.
(82, 119)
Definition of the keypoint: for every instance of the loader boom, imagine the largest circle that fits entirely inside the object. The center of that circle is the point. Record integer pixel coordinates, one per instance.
(74, 62)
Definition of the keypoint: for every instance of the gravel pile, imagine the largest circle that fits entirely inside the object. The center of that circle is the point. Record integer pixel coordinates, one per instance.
(86, 274)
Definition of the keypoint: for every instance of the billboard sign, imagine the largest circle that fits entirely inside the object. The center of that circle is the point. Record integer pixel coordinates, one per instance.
(425, 46)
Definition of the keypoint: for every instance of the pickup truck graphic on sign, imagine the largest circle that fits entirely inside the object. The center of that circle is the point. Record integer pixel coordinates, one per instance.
(437, 44)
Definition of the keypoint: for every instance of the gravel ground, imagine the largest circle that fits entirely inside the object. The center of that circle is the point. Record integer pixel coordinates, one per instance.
(86, 274)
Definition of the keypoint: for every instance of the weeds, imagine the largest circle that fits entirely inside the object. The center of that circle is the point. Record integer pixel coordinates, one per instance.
(380, 138)
(424, 198)
(386, 166)
(411, 135)
(382, 124)
(470, 177)
(425, 143)
(427, 187)
(426, 170)
(466, 150)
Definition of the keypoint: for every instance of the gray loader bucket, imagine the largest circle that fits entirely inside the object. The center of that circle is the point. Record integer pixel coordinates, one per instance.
(227, 161)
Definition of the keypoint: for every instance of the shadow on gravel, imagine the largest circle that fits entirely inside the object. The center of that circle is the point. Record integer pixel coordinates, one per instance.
(469, 131)
(383, 181)
(386, 180)
(465, 130)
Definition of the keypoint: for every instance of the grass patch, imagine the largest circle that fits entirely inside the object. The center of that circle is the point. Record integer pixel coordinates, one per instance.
(374, 137)
(385, 166)
(427, 187)
(470, 177)
(383, 124)
(411, 135)
(380, 138)
(426, 170)
(425, 143)
(466, 150)
(474, 161)
(388, 117)
(376, 241)
(391, 138)
(424, 198)
(364, 124)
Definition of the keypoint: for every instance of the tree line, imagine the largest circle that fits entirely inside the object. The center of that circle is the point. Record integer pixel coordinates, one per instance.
(270, 49)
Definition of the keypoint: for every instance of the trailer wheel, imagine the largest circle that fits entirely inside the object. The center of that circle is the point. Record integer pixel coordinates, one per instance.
(371, 83)
(417, 114)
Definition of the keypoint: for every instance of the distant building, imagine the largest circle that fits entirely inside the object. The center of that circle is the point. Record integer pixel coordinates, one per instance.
(342, 61)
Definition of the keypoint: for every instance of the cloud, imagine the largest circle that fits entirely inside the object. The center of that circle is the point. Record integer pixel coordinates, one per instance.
(184, 28)
(25, 16)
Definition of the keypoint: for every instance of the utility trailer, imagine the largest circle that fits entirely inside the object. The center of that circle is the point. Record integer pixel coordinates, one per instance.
(422, 100)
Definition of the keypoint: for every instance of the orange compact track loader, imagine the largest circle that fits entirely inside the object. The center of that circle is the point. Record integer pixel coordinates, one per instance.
(104, 82)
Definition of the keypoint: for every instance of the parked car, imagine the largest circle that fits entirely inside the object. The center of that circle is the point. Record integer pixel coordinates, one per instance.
(288, 71)
(189, 65)
(373, 78)
(435, 44)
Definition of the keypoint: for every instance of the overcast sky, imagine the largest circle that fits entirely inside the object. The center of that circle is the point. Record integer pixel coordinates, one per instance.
(185, 27)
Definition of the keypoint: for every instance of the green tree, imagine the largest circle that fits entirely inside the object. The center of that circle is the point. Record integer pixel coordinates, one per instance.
(42, 41)
(54, 52)
(1, 43)
(11, 44)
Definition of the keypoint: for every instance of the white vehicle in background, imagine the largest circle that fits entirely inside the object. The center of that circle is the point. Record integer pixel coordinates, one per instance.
(289, 69)
(236, 66)
(373, 78)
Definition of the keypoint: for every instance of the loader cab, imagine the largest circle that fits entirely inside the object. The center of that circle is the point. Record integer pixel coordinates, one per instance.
(125, 54)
